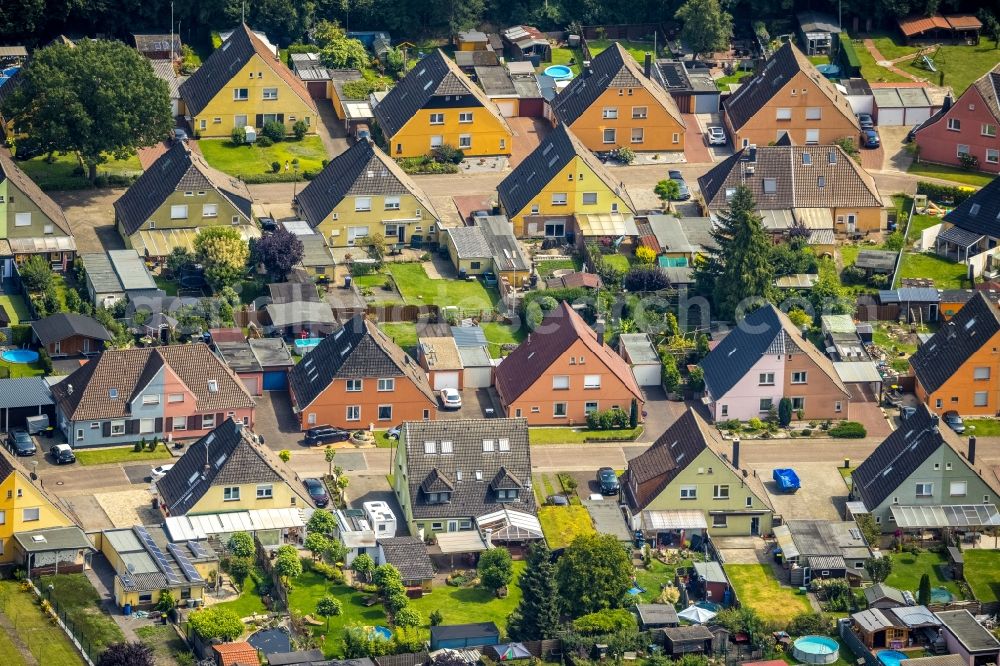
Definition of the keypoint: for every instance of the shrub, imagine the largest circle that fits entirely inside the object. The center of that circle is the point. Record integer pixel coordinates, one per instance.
(853, 275)
(448, 154)
(624, 154)
(784, 412)
(238, 136)
(276, 166)
(969, 161)
(300, 129)
(645, 255)
(45, 361)
(848, 430)
(264, 141)
(944, 193)
(646, 278)
(606, 621)
(755, 423)
(328, 571)
(878, 281)
(274, 130)
(810, 624)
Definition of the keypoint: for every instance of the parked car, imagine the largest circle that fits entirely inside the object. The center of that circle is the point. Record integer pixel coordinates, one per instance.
(158, 473)
(393, 432)
(557, 500)
(19, 443)
(317, 492)
(326, 434)
(268, 224)
(870, 139)
(678, 178)
(451, 398)
(717, 136)
(866, 121)
(62, 454)
(608, 481)
(954, 421)
(180, 135)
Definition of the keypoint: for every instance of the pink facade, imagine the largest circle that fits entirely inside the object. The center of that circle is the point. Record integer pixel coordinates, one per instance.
(742, 402)
(182, 420)
(968, 126)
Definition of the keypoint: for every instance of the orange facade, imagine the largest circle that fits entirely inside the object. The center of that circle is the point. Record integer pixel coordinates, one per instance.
(639, 121)
(347, 405)
(818, 396)
(589, 385)
(973, 389)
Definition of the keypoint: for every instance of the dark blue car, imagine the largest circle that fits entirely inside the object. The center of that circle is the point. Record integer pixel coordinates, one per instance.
(869, 139)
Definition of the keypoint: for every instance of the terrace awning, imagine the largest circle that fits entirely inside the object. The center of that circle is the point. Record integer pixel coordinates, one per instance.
(454, 543)
(814, 218)
(194, 528)
(963, 515)
(857, 371)
(655, 521)
(607, 224)
(508, 525)
(960, 237)
(784, 538)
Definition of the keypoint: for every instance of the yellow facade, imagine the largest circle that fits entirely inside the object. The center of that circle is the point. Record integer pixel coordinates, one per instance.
(214, 500)
(473, 129)
(564, 196)
(138, 599)
(350, 220)
(254, 90)
(24, 507)
(205, 208)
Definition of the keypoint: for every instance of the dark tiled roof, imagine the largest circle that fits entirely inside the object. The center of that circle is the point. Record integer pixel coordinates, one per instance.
(664, 460)
(767, 330)
(469, 496)
(13, 174)
(293, 292)
(882, 591)
(436, 481)
(409, 555)
(558, 330)
(434, 76)
(612, 68)
(786, 62)
(229, 455)
(85, 394)
(444, 632)
(796, 171)
(177, 170)
(356, 351)
(67, 324)
(226, 61)
(297, 658)
(362, 170)
(974, 325)
(980, 213)
(407, 659)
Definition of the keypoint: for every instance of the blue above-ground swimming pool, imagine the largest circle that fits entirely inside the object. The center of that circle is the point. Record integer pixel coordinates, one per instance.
(816, 650)
(559, 72)
(302, 345)
(891, 657)
(19, 356)
(830, 71)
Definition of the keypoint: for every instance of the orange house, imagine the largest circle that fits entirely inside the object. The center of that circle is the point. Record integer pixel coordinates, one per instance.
(957, 369)
(616, 103)
(359, 377)
(562, 371)
(789, 96)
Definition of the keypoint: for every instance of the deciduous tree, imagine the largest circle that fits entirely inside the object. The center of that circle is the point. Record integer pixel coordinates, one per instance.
(879, 568)
(327, 607)
(241, 544)
(279, 252)
(496, 569)
(337, 50)
(223, 253)
(132, 653)
(707, 27)
(594, 572)
(215, 622)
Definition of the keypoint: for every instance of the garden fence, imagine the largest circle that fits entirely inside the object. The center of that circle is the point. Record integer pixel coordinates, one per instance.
(87, 650)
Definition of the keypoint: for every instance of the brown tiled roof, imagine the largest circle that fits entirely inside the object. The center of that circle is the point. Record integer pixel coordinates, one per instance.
(532, 358)
(13, 174)
(236, 654)
(86, 394)
(915, 25)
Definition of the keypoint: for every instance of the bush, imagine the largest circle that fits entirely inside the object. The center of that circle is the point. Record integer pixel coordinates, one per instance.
(448, 154)
(878, 281)
(784, 412)
(755, 423)
(646, 278)
(274, 130)
(45, 361)
(424, 165)
(848, 56)
(853, 275)
(300, 129)
(329, 572)
(238, 136)
(810, 624)
(264, 141)
(645, 255)
(606, 621)
(624, 154)
(952, 194)
(275, 166)
(848, 430)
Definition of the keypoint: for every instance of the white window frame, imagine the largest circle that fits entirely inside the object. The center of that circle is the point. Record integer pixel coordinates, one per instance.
(592, 382)
(241, 94)
(720, 491)
(640, 112)
(355, 385)
(689, 492)
(812, 137)
(117, 428)
(783, 114)
(437, 119)
(207, 421)
(559, 199)
(465, 117)
(31, 514)
(981, 373)
(589, 198)
(954, 125)
(981, 399)
(391, 203)
(210, 210)
(387, 384)
(591, 406)
(958, 488)
(353, 413)
(231, 494)
(151, 399)
(961, 149)
(613, 135)
(770, 404)
(265, 491)
(147, 426)
(610, 113)
(556, 410)
(992, 155)
(22, 219)
(178, 212)
(362, 204)
(269, 93)
(802, 380)
(814, 113)
(641, 137)
(560, 382)
(720, 520)
(923, 489)
(465, 141)
(765, 379)
(179, 422)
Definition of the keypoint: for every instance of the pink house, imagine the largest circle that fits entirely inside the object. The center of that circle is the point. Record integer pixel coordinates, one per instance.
(969, 126)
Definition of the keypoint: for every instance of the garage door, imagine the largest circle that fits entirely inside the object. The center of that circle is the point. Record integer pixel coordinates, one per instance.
(890, 116)
(276, 380)
(917, 115)
(507, 109)
(478, 377)
(647, 375)
(443, 380)
(252, 385)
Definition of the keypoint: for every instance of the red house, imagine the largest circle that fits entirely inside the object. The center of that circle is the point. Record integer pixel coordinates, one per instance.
(969, 126)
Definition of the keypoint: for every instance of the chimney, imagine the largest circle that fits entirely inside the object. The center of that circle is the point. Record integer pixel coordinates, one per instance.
(736, 452)
(947, 103)
(648, 64)
(600, 332)
(972, 450)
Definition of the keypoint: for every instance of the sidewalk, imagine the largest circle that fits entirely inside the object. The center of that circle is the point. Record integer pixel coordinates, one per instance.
(102, 577)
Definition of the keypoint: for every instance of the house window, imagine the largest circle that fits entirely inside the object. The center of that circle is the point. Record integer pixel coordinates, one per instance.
(766, 379)
(689, 492)
(609, 135)
(925, 489)
(354, 412)
(770, 185)
(724, 411)
(117, 428)
(559, 410)
(720, 520)
(241, 94)
(210, 210)
(591, 381)
(610, 113)
(265, 491)
(179, 212)
(180, 423)
(981, 373)
(720, 492)
(385, 412)
(48, 229)
(675, 138)
(31, 514)
(240, 121)
(958, 488)
(476, 265)
(270, 93)
(812, 136)
(508, 495)
(202, 124)
(955, 125)
(465, 141)
(79, 434)
(798, 403)
(391, 203)
(637, 135)
(3, 517)
(217, 120)
(362, 204)
(992, 155)
(437, 141)
(820, 181)
(814, 113)
(837, 406)
(437, 527)
(784, 114)
(590, 407)
(560, 382)
(354, 385)
(798, 377)
(589, 198)
(962, 149)
(437, 119)
(534, 209)
(387, 384)
(981, 398)
(147, 426)
(766, 404)
(151, 399)
(730, 193)
(503, 144)
(231, 494)
(207, 421)
(639, 112)
(558, 198)
(465, 117)
(311, 418)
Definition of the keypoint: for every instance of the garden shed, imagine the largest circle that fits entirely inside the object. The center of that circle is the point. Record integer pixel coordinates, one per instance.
(685, 640)
(638, 351)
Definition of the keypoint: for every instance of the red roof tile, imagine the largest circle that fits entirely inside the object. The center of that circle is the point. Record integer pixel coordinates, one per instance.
(233, 654)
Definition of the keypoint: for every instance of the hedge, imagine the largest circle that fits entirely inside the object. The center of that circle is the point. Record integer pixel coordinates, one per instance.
(848, 430)
(939, 193)
(848, 56)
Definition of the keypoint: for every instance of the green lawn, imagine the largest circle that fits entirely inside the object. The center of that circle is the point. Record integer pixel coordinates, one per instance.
(945, 273)
(23, 369)
(119, 454)
(310, 587)
(11, 656)
(374, 281)
(955, 174)
(917, 225)
(418, 289)
(563, 55)
(757, 587)
(874, 72)
(403, 334)
(849, 254)
(819, 59)
(167, 645)
(889, 47)
(45, 640)
(168, 286)
(562, 524)
(579, 435)
(546, 268)
(982, 572)
(962, 64)
(252, 160)
(722, 82)
(498, 334)
(656, 575)
(16, 307)
(908, 568)
(638, 49)
(470, 604)
(984, 427)
(248, 603)
(77, 599)
(618, 261)
(65, 172)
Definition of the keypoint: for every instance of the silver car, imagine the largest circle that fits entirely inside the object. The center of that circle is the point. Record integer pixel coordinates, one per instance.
(451, 398)
(717, 136)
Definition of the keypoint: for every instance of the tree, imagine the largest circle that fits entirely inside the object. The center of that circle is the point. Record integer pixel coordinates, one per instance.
(321, 521)
(394, 61)
(869, 529)
(594, 572)
(363, 565)
(285, 455)
(991, 26)
(668, 190)
(496, 569)
(167, 601)
(327, 607)
(537, 614)
(279, 252)
(223, 253)
(924, 591)
(828, 295)
(741, 269)
(330, 455)
(288, 565)
(633, 414)
(240, 568)
(707, 28)
(317, 544)
(335, 551)
(241, 544)
(671, 375)
(375, 243)
(879, 568)
(437, 617)
(99, 99)
(132, 653)
(215, 622)
(337, 50)
(387, 579)
(800, 318)
(407, 617)
(784, 412)
(36, 273)
(179, 260)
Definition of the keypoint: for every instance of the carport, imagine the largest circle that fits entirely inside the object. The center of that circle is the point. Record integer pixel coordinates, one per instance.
(21, 397)
(608, 519)
(468, 543)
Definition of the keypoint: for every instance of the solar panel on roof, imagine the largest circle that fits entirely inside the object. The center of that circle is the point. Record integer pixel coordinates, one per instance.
(158, 555)
(189, 571)
(196, 549)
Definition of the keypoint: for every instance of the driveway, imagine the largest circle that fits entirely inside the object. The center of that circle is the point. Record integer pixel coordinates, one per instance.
(475, 402)
(696, 148)
(374, 488)
(276, 422)
(331, 130)
(608, 518)
(660, 412)
(92, 218)
(528, 133)
(821, 497)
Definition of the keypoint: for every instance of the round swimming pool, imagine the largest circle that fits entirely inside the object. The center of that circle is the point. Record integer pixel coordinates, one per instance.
(559, 72)
(816, 650)
(19, 356)
(891, 657)
(941, 595)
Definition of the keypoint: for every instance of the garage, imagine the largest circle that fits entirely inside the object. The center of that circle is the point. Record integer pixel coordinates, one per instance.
(276, 380)
(478, 372)
(902, 106)
(449, 379)
(252, 383)
(275, 360)
(638, 351)
(888, 107)
(21, 397)
(508, 108)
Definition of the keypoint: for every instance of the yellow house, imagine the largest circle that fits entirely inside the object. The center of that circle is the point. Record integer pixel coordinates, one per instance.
(361, 192)
(559, 180)
(175, 198)
(24, 506)
(244, 83)
(228, 470)
(436, 104)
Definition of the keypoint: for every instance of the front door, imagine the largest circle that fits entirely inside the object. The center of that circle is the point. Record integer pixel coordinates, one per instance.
(755, 526)
(452, 525)
(57, 347)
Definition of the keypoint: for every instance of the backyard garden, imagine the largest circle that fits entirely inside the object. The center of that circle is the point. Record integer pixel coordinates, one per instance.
(756, 586)
(66, 172)
(411, 285)
(255, 162)
(28, 635)
(79, 604)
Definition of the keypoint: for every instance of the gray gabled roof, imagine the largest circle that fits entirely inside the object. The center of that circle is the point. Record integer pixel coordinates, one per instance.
(64, 325)
(882, 591)
(409, 556)
(17, 392)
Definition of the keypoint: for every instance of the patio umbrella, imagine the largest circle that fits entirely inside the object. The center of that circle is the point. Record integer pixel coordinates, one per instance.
(696, 614)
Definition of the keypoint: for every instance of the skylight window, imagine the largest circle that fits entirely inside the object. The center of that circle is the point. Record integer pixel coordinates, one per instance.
(213, 386)
(113, 393)
(974, 209)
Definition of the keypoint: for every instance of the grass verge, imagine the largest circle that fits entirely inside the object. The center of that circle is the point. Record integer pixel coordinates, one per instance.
(562, 524)
(954, 174)
(580, 436)
(120, 454)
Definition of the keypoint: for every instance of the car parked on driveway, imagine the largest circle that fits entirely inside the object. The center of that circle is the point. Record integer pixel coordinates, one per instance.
(319, 435)
(451, 398)
(870, 139)
(393, 432)
(19, 442)
(717, 136)
(954, 421)
(678, 178)
(62, 454)
(866, 121)
(158, 473)
(608, 481)
(317, 492)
